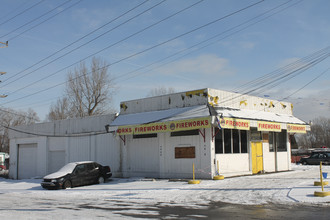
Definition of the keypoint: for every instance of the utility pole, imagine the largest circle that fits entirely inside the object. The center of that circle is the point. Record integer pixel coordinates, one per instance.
(2, 73)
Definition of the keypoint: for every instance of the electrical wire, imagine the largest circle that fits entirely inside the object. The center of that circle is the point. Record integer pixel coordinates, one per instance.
(72, 43)
(22, 12)
(282, 74)
(98, 133)
(117, 26)
(52, 135)
(29, 22)
(14, 10)
(207, 40)
(143, 51)
(63, 10)
(204, 41)
(308, 83)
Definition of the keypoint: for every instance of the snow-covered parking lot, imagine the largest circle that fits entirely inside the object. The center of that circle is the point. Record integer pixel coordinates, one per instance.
(25, 199)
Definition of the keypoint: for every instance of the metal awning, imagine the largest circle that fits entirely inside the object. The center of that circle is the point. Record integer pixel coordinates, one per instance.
(162, 116)
(258, 115)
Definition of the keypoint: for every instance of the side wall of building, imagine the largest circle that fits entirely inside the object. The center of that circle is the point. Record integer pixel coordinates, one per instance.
(50, 153)
(62, 142)
(155, 157)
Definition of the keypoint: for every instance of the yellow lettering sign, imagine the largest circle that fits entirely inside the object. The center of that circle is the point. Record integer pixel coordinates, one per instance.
(269, 126)
(294, 128)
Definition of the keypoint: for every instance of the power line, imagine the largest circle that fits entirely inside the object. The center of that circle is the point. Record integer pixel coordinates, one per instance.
(140, 31)
(209, 39)
(79, 39)
(22, 12)
(122, 75)
(145, 50)
(52, 135)
(308, 83)
(14, 10)
(117, 26)
(29, 22)
(290, 66)
(98, 133)
(249, 21)
(284, 73)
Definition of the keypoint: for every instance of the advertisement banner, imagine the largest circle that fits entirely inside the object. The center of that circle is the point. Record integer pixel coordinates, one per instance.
(269, 126)
(169, 126)
(294, 128)
(233, 123)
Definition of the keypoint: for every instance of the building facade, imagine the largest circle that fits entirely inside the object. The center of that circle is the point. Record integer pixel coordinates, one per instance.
(164, 136)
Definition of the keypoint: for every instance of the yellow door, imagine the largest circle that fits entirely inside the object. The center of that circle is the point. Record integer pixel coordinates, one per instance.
(257, 157)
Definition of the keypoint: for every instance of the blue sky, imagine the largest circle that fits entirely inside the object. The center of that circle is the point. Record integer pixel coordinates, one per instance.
(246, 44)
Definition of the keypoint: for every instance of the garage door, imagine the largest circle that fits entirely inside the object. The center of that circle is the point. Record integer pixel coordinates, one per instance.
(56, 160)
(27, 161)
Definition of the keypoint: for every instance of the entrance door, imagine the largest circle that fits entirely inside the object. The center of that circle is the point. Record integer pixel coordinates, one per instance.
(257, 157)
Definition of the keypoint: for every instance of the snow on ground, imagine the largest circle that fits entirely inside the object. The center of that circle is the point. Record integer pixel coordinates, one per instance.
(19, 197)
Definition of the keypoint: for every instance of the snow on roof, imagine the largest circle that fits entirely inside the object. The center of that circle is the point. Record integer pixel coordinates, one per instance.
(201, 111)
(163, 115)
(258, 115)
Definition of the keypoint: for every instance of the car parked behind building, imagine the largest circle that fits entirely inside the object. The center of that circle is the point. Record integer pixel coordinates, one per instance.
(77, 174)
(316, 157)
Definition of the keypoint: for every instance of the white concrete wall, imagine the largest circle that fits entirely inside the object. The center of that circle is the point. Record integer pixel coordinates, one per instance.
(238, 101)
(269, 158)
(182, 167)
(282, 164)
(203, 97)
(155, 157)
(102, 148)
(233, 164)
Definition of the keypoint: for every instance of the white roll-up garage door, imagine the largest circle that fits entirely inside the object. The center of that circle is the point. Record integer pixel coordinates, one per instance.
(27, 161)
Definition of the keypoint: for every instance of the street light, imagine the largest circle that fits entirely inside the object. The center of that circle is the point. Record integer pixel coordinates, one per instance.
(6, 44)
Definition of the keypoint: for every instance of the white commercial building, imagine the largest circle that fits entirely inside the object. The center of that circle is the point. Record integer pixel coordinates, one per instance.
(164, 136)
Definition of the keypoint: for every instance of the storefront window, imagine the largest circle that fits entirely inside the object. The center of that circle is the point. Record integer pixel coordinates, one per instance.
(218, 141)
(255, 135)
(271, 141)
(236, 141)
(227, 139)
(243, 141)
(185, 133)
(282, 142)
(138, 136)
(278, 140)
(230, 141)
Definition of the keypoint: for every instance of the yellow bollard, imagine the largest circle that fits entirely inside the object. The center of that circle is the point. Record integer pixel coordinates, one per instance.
(218, 177)
(193, 181)
(322, 183)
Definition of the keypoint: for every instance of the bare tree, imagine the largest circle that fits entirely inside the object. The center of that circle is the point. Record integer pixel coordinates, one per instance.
(88, 92)
(318, 136)
(60, 110)
(160, 91)
(9, 118)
